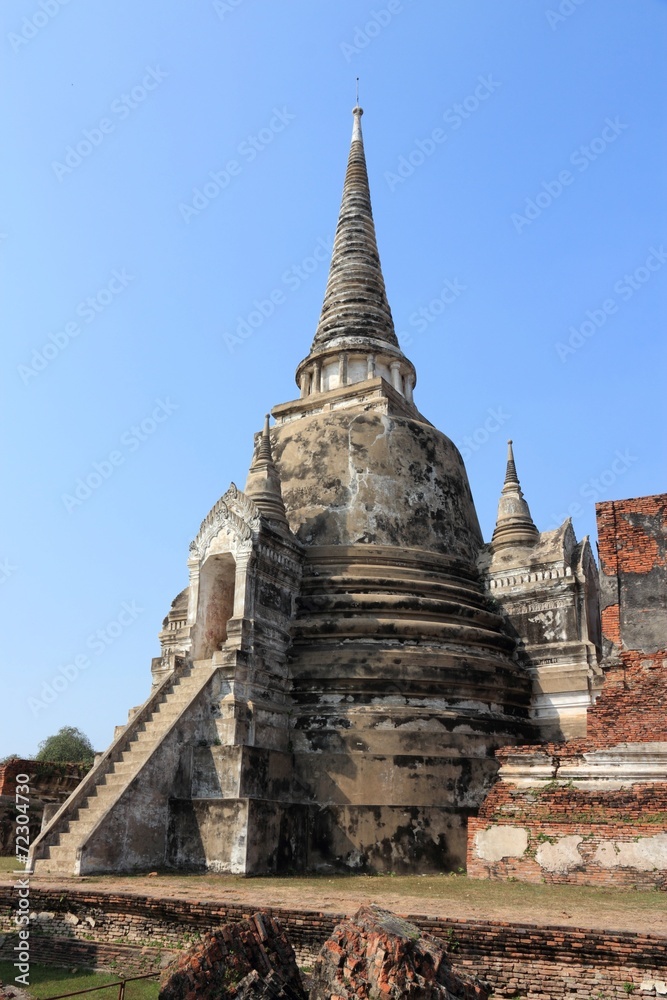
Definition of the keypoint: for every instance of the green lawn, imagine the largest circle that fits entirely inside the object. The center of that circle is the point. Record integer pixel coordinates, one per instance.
(9, 864)
(46, 981)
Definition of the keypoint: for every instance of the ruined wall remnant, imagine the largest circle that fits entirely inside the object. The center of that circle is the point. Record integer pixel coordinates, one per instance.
(594, 810)
(50, 784)
(633, 584)
(569, 813)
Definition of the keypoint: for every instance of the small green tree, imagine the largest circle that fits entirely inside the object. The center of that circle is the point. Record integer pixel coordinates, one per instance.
(68, 745)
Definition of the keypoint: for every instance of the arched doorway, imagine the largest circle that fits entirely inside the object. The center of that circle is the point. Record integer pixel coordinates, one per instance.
(215, 605)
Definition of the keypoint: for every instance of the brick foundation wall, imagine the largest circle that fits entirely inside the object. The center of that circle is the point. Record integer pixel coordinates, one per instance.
(559, 834)
(124, 960)
(538, 963)
(638, 804)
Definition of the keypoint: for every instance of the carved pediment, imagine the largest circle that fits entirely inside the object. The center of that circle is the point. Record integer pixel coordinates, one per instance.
(234, 510)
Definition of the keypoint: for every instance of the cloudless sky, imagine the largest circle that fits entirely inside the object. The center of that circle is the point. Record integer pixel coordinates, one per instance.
(129, 274)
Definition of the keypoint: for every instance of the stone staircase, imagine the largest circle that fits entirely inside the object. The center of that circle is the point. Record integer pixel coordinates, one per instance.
(59, 846)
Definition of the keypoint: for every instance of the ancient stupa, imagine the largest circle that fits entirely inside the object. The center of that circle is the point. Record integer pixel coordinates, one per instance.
(348, 652)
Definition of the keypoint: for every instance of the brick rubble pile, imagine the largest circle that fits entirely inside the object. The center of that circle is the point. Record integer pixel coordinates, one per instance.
(249, 959)
(378, 954)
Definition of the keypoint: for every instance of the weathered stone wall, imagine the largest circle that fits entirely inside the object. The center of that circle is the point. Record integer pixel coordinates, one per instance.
(403, 676)
(538, 963)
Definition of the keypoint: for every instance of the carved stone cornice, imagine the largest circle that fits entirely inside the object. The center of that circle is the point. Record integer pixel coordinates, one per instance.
(234, 510)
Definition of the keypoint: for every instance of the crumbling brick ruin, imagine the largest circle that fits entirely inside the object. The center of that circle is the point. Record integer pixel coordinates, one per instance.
(51, 783)
(374, 953)
(594, 810)
(251, 958)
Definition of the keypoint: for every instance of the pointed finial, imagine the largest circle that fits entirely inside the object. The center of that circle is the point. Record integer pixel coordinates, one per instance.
(510, 474)
(263, 483)
(514, 525)
(357, 105)
(355, 325)
(356, 128)
(264, 451)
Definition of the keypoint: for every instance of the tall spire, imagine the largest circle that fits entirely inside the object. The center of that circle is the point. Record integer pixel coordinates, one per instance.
(263, 483)
(356, 320)
(514, 525)
(355, 301)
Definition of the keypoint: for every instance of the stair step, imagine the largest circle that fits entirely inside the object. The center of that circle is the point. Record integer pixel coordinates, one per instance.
(113, 780)
(127, 756)
(73, 831)
(143, 739)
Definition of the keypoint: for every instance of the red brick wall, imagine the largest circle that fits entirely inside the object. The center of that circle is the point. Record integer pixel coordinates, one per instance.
(46, 777)
(632, 544)
(626, 546)
(633, 703)
(598, 817)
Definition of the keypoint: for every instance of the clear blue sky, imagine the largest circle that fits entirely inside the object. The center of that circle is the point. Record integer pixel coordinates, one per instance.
(531, 145)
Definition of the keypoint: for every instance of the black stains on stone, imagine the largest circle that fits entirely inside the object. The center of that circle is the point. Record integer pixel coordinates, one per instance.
(411, 763)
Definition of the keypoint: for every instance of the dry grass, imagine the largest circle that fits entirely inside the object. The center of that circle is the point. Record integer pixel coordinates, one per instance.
(455, 888)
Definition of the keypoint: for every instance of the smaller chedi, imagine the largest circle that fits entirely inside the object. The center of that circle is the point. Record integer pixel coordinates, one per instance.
(348, 652)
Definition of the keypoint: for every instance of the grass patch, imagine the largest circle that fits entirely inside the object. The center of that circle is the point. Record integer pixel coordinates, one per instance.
(47, 981)
(10, 864)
